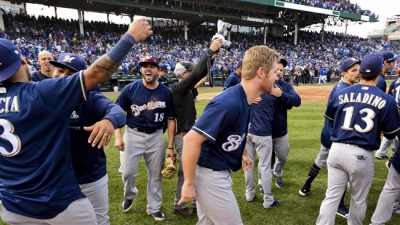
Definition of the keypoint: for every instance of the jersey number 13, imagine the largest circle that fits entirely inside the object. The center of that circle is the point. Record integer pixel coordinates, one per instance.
(367, 119)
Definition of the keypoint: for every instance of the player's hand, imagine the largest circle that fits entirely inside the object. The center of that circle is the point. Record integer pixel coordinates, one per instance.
(276, 91)
(119, 144)
(188, 193)
(216, 45)
(102, 132)
(195, 100)
(140, 29)
(257, 100)
(247, 163)
(170, 152)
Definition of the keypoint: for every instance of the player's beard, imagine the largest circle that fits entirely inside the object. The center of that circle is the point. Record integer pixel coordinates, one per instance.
(266, 85)
(150, 79)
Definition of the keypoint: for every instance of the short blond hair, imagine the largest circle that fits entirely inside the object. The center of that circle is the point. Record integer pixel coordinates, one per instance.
(256, 57)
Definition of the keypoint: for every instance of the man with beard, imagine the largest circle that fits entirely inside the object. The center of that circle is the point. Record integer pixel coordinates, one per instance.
(46, 69)
(148, 104)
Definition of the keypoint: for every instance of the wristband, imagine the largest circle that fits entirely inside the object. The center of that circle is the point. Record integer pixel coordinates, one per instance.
(122, 48)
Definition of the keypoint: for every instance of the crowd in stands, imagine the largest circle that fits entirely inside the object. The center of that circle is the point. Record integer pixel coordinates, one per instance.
(57, 36)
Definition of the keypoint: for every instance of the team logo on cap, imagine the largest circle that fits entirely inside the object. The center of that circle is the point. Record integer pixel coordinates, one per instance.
(68, 59)
(16, 52)
(149, 58)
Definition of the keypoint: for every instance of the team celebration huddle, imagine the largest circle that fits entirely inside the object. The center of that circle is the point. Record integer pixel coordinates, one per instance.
(54, 131)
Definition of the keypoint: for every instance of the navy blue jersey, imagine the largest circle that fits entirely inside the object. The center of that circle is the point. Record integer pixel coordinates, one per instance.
(396, 90)
(225, 123)
(391, 87)
(381, 83)
(38, 76)
(326, 132)
(359, 114)
(89, 162)
(232, 80)
(36, 175)
(287, 100)
(146, 109)
(396, 157)
(263, 115)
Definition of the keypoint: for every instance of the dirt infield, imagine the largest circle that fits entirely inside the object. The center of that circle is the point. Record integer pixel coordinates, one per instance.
(307, 93)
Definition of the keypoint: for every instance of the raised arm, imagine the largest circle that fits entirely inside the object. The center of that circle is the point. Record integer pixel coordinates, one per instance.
(107, 64)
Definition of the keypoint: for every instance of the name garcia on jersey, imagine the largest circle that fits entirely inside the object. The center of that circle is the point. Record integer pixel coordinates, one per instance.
(7, 108)
(365, 98)
(149, 106)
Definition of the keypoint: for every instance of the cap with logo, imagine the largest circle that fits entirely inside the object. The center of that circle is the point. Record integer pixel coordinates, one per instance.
(70, 60)
(371, 63)
(149, 59)
(349, 63)
(10, 59)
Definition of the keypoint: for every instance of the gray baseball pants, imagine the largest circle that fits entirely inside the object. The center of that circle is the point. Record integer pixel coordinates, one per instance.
(322, 156)
(216, 203)
(390, 192)
(263, 146)
(347, 163)
(385, 144)
(281, 148)
(152, 147)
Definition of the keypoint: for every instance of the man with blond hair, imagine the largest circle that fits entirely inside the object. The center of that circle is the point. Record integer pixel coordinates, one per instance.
(46, 69)
(216, 143)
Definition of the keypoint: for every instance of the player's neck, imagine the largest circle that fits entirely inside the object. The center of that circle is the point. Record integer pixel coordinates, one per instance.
(252, 89)
(152, 85)
(373, 82)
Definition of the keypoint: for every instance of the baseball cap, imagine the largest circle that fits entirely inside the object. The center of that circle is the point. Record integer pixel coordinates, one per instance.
(164, 67)
(183, 67)
(10, 59)
(349, 63)
(388, 55)
(371, 63)
(70, 60)
(284, 62)
(149, 59)
(239, 64)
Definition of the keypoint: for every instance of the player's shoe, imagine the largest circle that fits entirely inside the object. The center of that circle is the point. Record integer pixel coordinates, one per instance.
(343, 211)
(184, 212)
(274, 204)
(304, 191)
(158, 216)
(381, 157)
(261, 189)
(126, 205)
(278, 181)
(249, 198)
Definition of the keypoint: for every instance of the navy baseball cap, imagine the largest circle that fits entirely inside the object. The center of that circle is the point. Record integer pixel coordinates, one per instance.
(388, 56)
(349, 63)
(164, 67)
(284, 62)
(70, 60)
(10, 59)
(371, 63)
(239, 64)
(149, 59)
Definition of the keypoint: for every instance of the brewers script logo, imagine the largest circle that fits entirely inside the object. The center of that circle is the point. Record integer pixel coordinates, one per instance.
(68, 59)
(233, 142)
(136, 109)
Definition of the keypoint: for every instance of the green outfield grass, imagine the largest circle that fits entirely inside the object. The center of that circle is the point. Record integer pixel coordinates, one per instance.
(305, 124)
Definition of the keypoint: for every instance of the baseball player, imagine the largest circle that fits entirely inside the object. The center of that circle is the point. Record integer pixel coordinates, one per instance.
(216, 143)
(351, 75)
(89, 162)
(389, 61)
(185, 112)
(259, 140)
(45, 190)
(358, 114)
(162, 74)
(148, 104)
(46, 69)
(234, 78)
(286, 98)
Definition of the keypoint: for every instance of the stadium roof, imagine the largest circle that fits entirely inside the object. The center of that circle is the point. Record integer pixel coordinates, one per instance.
(284, 11)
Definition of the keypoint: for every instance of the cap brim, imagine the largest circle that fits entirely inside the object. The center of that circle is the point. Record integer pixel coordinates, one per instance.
(354, 63)
(58, 64)
(10, 71)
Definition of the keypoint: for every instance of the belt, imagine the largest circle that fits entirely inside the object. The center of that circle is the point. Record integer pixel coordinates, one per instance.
(143, 131)
(182, 134)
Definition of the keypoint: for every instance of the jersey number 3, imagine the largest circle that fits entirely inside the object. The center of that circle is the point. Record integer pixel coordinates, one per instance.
(367, 119)
(8, 135)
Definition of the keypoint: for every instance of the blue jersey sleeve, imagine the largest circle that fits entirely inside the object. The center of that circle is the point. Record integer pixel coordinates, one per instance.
(103, 108)
(68, 92)
(390, 119)
(231, 81)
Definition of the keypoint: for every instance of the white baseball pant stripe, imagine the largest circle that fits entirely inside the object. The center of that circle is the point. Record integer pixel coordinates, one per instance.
(390, 192)
(152, 147)
(97, 193)
(263, 146)
(347, 163)
(216, 203)
(281, 148)
(78, 212)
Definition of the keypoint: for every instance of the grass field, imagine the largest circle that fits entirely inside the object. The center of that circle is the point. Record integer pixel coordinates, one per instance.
(305, 124)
